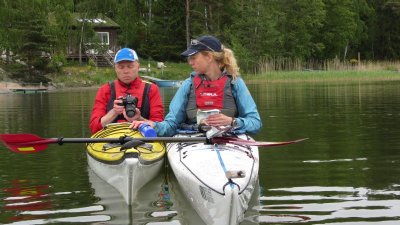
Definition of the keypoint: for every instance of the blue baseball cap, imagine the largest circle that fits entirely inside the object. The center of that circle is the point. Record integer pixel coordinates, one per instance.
(203, 43)
(125, 54)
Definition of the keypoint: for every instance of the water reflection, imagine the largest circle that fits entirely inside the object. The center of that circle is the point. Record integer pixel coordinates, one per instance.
(143, 211)
(159, 202)
(330, 205)
(164, 200)
(22, 196)
(346, 173)
(26, 203)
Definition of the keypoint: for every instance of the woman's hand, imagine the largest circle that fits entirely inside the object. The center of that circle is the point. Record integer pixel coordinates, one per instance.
(135, 124)
(218, 120)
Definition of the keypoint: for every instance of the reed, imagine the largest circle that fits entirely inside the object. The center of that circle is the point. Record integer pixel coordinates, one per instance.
(323, 76)
(268, 64)
(269, 71)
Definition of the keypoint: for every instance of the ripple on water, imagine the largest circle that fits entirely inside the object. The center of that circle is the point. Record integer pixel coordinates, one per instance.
(330, 205)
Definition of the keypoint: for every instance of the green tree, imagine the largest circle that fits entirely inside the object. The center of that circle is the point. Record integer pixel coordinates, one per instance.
(5, 25)
(386, 44)
(253, 33)
(60, 20)
(300, 23)
(133, 24)
(339, 29)
(365, 19)
(10, 32)
(28, 37)
(209, 17)
(167, 32)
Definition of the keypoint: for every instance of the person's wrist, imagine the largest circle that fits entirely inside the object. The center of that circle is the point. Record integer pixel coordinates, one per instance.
(234, 123)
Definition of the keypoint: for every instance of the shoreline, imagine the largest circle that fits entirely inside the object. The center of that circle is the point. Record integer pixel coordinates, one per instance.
(272, 77)
(7, 87)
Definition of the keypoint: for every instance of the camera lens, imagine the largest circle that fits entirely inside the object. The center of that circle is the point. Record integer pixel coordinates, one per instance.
(130, 105)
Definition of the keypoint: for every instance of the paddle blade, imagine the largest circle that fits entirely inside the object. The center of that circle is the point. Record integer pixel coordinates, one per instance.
(24, 143)
(238, 141)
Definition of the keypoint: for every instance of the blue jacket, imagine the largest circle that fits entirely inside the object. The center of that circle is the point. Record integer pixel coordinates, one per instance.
(248, 119)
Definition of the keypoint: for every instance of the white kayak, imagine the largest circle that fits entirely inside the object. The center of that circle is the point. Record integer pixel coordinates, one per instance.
(218, 180)
(127, 170)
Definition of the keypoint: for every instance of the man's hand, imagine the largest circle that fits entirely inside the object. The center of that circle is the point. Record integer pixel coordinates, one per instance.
(118, 107)
(137, 116)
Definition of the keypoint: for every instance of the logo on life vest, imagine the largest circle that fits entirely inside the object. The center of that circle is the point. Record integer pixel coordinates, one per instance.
(209, 94)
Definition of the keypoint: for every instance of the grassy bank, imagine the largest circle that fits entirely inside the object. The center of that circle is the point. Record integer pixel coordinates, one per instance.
(81, 76)
(85, 76)
(324, 76)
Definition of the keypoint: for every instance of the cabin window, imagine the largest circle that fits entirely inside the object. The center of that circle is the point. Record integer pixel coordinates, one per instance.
(104, 37)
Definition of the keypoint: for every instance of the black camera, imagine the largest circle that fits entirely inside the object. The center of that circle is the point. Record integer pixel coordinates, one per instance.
(129, 102)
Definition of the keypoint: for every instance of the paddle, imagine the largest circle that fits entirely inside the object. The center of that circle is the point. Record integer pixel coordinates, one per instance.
(238, 141)
(30, 143)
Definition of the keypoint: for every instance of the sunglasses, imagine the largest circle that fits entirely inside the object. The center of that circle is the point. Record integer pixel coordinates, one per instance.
(197, 42)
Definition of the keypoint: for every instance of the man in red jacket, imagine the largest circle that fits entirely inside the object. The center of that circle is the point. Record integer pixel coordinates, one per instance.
(129, 93)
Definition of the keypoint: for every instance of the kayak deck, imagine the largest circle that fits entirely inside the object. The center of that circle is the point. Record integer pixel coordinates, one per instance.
(218, 180)
(127, 169)
(111, 153)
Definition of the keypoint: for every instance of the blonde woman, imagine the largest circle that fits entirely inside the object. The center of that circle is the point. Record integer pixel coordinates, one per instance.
(214, 84)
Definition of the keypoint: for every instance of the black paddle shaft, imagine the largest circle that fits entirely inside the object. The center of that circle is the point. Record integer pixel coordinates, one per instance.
(124, 139)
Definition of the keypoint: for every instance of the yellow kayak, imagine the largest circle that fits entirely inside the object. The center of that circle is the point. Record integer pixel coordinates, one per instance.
(126, 167)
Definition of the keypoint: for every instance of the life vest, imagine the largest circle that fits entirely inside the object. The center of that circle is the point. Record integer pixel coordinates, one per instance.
(216, 94)
(144, 108)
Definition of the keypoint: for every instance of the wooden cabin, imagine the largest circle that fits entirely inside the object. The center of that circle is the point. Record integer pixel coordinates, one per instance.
(102, 48)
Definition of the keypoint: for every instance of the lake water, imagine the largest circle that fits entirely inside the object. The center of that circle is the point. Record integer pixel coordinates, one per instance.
(348, 172)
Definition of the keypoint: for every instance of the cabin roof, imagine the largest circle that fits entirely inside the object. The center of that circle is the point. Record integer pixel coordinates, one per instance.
(99, 21)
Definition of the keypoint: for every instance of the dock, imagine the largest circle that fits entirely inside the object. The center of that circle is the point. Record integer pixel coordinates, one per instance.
(28, 90)
(14, 87)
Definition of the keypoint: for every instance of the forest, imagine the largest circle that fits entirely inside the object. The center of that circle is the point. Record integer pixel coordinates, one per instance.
(256, 30)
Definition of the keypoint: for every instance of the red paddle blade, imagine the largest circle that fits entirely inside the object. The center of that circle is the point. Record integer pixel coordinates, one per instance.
(24, 143)
(238, 141)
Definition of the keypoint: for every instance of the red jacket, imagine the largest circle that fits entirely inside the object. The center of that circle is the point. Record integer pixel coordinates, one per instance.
(136, 89)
